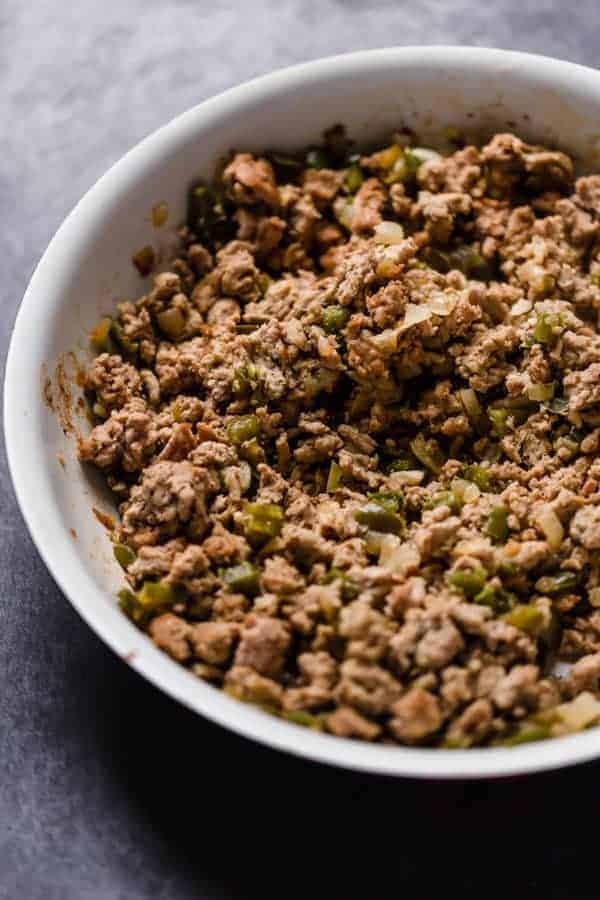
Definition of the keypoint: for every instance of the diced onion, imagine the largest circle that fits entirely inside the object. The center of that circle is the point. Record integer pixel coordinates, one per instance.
(414, 315)
(551, 526)
(540, 393)
(386, 341)
(576, 715)
(405, 479)
(441, 304)
(469, 400)
(594, 597)
(521, 307)
(398, 556)
(388, 233)
(424, 154)
(465, 490)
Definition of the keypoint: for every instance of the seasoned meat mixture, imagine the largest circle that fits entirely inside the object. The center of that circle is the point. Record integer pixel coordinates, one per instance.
(353, 437)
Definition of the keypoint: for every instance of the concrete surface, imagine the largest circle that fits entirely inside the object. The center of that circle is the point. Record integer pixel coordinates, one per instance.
(107, 789)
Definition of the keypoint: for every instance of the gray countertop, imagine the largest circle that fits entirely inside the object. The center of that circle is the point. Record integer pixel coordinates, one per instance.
(107, 788)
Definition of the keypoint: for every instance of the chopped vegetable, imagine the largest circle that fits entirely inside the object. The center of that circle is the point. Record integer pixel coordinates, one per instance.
(243, 428)
(551, 526)
(317, 159)
(144, 260)
(541, 393)
(348, 590)
(353, 178)
(160, 214)
(392, 501)
(469, 581)
(334, 319)
(376, 518)
(527, 733)
(388, 233)
(479, 475)
(444, 498)
(245, 380)
(526, 617)
(334, 478)
(496, 597)
(171, 321)
(262, 521)
(498, 419)
(547, 329)
(428, 452)
(557, 584)
(129, 347)
(301, 717)
(100, 336)
(124, 555)
(497, 524)
(242, 579)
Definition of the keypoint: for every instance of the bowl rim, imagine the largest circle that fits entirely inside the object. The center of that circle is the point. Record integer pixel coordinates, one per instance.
(22, 382)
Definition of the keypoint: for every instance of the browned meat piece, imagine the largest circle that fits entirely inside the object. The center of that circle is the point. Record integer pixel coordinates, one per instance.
(368, 203)
(346, 722)
(113, 381)
(169, 498)
(263, 644)
(171, 634)
(251, 180)
(212, 642)
(415, 716)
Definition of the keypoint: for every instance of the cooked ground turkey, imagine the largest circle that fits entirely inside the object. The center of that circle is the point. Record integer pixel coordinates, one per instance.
(353, 437)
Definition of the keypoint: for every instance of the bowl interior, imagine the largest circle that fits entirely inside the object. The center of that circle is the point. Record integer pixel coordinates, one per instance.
(88, 267)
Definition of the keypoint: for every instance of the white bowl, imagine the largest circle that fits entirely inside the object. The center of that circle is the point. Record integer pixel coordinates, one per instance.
(87, 266)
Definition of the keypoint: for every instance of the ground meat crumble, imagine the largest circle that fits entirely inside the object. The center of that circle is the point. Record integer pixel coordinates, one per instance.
(352, 434)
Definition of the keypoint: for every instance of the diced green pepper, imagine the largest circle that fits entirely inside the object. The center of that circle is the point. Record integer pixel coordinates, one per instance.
(317, 158)
(171, 322)
(478, 475)
(376, 518)
(245, 380)
(498, 419)
(349, 591)
(124, 555)
(469, 581)
(129, 347)
(353, 178)
(497, 524)
(262, 522)
(404, 462)
(334, 478)
(160, 214)
(242, 579)
(300, 717)
(100, 336)
(252, 452)
(246, 327)
(527, 733)
(557, 584)
(526, 617)
(540, 392)
(144, 260)
(547, 327)
(155, 595)
(444, 498)
(243, 428)
(559, 405)
(498, 598)
(152, 598)
(334, 319)
(392, 501)
(428, 453)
